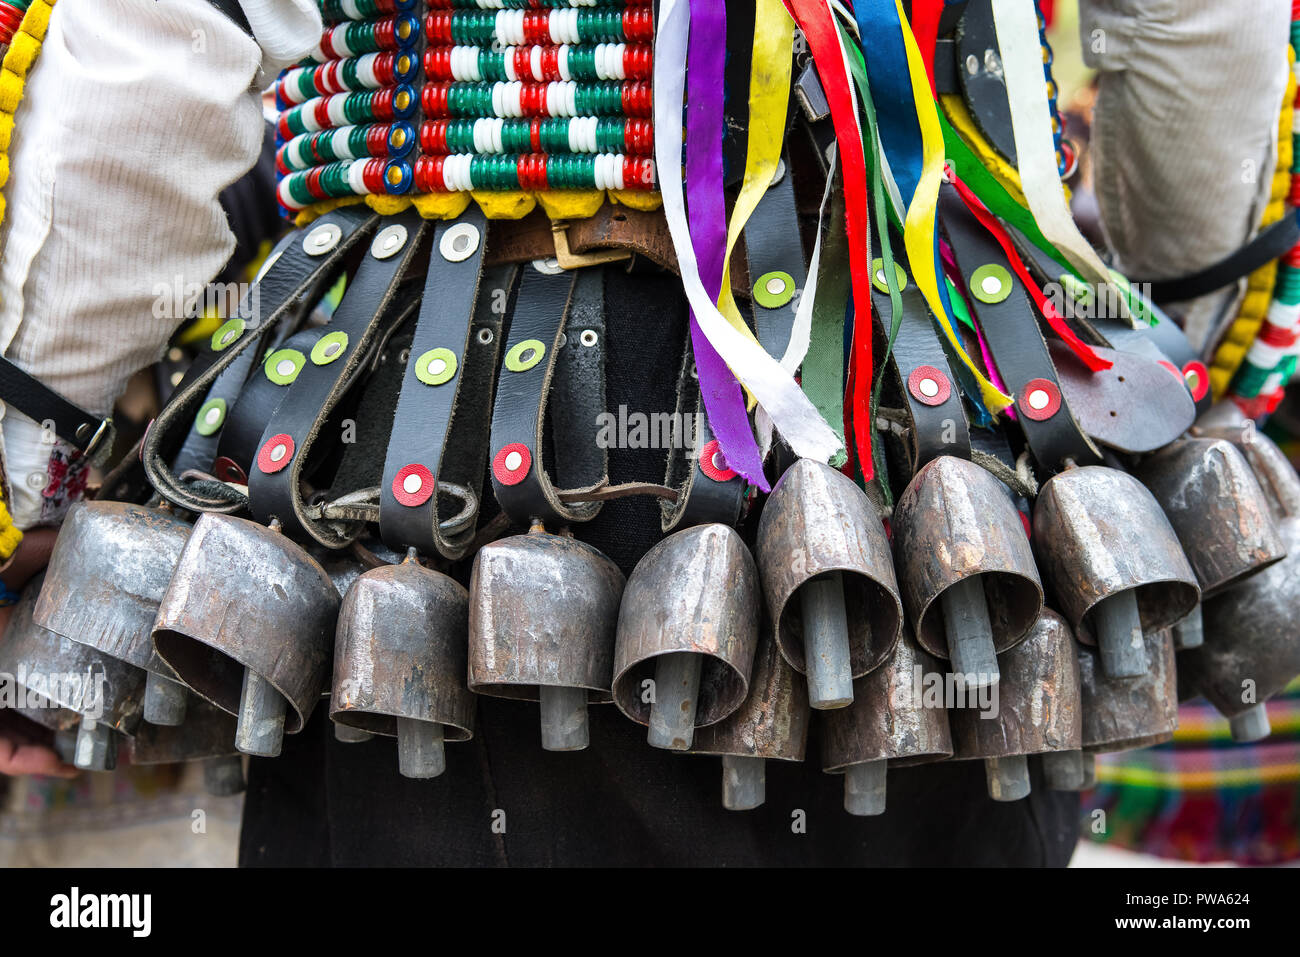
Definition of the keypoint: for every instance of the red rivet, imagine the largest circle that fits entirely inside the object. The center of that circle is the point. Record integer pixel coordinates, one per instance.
(938, 386)
(276, 453)
(1196, 370)
(413, 485)
(1030, 393)
(505, 458)
(710, 456)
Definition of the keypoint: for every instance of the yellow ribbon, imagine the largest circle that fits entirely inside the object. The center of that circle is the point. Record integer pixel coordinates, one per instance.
(919, 225)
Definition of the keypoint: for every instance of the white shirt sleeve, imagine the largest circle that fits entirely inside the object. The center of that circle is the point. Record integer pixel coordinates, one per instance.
(136, 114)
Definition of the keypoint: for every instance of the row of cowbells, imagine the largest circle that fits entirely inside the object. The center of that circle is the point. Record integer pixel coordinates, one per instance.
(246, 619)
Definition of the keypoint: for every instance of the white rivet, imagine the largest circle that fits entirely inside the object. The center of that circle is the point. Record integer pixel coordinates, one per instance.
(588, 337)
(279, 452)
(972, 64)
(991, 285)
(437, 366)
(1038, 399)
(229, 337)
(284, 367)
(513, 461)
(880, 277)
(388, 241)
(412, 484)
(719, 462)
(321, 239)
(485, 336)
(929, 388)
(775, 286)
(459, 242)
(779, 173)
(212, 416)
(548, 267)
(332, 349)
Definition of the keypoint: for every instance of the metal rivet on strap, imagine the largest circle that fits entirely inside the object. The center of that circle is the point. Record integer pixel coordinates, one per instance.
(322, 239)
(459, 242)
(388, 242)
(436, 367)
(990, 283)
(588, 337)
(548, 267)
(774, 289)
(485, 336)
(779, 173)
(524, 355)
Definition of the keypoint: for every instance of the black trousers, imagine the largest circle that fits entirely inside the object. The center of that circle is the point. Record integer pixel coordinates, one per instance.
(505, 801)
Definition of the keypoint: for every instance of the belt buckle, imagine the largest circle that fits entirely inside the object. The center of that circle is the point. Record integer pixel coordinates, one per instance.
(567, 259)
(92, 451)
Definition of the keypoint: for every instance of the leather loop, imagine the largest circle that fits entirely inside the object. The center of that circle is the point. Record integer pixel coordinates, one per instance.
(440, 427)
(370, 307)
(278, 293)
(1007, 319)
(536, 353)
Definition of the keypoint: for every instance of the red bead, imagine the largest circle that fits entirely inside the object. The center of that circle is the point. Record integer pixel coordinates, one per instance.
(637, 99)
(531, 169)
(638, 137)
(312, 180)
(382, 104)
(638, 174)
(433, 99)
(532, 99)
(522, 63)
(537, 26)
(638, 24)
(322, 112)
(1292, 257)
(281, 167)
(433, 136)
(437, 26)
(386, 35)
(377, 140)
(427, 175)
(550, 63)
(437, 63)
(535, 135)
(638, 62)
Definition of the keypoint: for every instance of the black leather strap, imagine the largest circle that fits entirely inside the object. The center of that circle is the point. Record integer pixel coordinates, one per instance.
(1010, 328)
(318, 252)
(919, 367)
(705, 493)
(1270, 243)
(89, 434)
(368, 310)
(537, 339)
(440, 426)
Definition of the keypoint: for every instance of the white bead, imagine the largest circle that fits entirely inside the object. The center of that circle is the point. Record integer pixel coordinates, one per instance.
(562, 63)
(535, 63)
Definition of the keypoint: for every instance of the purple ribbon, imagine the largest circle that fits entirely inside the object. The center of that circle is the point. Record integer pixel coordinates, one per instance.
(724, 401)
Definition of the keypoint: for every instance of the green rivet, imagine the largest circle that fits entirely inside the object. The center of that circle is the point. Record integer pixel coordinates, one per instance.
(990, 283)
(210, 417)
(436, 367)
(524, 355)
(878, 276)
(283, 365)
(774, 289)
(329, 347)
(226, 333)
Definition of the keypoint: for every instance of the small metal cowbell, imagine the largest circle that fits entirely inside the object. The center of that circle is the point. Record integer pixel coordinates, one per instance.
(897, 719)
(1037, 711)
(400, 658)
(1252, 630)
(1121, 714)
(772, 724)
(1113, 562)
(58, 678)
(1216, 508)
(248, 623)
(343, 569)
(206, 735)
(542, 614)
(110, 566)
(687, 630)
(828, 576)
(966, 566)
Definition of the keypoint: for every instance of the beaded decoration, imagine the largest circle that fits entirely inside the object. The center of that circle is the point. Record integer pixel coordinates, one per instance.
(1270, 362)
(451, 96)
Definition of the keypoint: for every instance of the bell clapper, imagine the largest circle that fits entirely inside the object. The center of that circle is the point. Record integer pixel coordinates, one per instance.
(96, 746)
(676, 696)
(1250, 725)
(1008, 777)
(1119, 636)
(260, 728)
(744, 782)
(1190, 632)
(420, 751)
(346, 734)
(1064, 770)
(564, 718)
(969, 633)
(65, 745)
(165, 700)
(826, 641)
(1089, 771)
(223, 776)
(864, 788)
